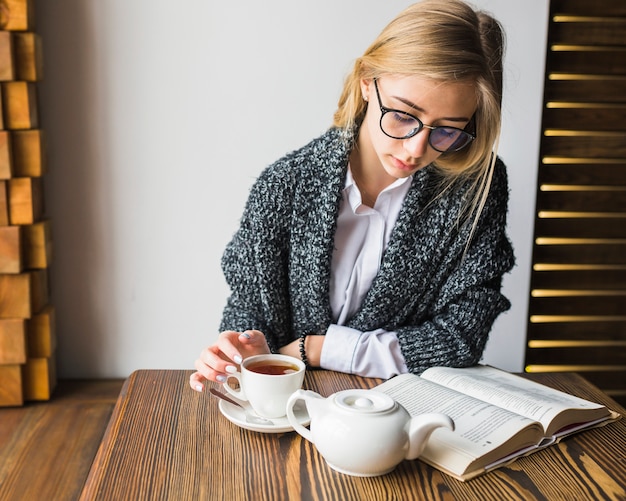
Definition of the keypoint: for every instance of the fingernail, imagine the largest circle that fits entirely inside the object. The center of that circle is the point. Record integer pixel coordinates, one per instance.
(221, 379)
(231, 368)
(237, 359)
(199, 388)
(246, 335)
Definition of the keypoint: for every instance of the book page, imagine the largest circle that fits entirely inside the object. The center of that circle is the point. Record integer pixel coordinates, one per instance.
(519, 395)
(481, 429)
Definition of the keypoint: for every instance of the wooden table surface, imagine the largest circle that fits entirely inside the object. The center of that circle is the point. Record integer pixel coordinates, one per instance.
(165, 441)
(47, 448)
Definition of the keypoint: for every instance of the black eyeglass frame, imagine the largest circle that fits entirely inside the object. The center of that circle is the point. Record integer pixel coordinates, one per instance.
(421, 126)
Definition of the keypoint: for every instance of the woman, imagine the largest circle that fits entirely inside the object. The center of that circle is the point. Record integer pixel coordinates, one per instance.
(379, 248)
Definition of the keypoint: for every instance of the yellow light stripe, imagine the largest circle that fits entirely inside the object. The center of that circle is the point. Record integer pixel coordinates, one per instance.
(549, 319)
(580, 241)
(582, 160)
(536, 343)
(546, 214)
(580, 187)
(575, 293)
(556, 105)
(574, 368)
(584, 77)
(586, 48)
(582, 133)
(578, 267)
(563, 18)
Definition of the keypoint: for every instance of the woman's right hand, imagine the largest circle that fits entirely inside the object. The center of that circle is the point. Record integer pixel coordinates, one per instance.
(216, 361)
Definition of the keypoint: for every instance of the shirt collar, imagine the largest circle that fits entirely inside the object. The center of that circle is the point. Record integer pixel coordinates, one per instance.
(354, 195)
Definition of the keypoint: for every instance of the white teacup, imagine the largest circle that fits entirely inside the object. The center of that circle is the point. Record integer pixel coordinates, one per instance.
(267, 382)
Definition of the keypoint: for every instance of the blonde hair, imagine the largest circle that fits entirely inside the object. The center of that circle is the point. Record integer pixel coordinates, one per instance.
(442, 40)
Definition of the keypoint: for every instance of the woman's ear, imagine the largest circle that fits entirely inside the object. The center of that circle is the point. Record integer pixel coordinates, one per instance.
(366, 88)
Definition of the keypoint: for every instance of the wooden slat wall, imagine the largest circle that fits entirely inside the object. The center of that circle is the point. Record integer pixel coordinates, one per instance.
(577, 317)
(27, 333)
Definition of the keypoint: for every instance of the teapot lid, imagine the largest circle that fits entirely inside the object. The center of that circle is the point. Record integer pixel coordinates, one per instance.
(364, 401)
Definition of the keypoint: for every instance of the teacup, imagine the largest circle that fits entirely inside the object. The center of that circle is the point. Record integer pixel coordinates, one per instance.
(267, 382)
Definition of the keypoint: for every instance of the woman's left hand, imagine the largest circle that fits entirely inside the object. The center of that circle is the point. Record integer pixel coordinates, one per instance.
(216, 361)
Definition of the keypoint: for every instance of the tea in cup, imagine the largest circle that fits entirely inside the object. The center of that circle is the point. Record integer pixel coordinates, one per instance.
(267, 382)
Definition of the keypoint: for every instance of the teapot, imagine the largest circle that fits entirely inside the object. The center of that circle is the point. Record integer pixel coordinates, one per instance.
(363, 433)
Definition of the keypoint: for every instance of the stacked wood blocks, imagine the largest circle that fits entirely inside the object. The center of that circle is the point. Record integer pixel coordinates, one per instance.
(27, 338)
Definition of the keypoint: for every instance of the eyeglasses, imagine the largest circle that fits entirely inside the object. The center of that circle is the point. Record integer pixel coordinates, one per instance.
(400, 125)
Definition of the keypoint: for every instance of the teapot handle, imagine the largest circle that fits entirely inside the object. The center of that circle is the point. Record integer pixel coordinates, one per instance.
(420, 429)
(303, 395)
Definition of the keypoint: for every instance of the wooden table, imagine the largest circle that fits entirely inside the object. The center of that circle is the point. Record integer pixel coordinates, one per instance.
(165, 441)
(47, 448)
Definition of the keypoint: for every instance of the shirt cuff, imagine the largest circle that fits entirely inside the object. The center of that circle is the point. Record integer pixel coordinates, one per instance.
(339, 347)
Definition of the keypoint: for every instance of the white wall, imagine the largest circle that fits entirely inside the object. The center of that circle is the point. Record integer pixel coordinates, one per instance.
(160, 114)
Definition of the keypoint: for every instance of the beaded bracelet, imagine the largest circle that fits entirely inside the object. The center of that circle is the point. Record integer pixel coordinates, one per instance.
(302, 350)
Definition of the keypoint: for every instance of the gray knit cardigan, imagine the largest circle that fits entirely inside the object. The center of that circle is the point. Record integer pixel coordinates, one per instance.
(440, 302)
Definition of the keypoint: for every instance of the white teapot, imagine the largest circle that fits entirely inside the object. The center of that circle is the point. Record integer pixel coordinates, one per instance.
(363, 432)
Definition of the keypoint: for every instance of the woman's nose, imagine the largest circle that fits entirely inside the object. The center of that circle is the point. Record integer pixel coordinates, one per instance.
(416, 146)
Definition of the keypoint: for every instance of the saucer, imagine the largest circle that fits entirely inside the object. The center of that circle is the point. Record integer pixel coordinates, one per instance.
(237, 415)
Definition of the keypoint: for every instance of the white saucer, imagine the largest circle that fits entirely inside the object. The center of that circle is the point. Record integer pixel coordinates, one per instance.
(237, 415)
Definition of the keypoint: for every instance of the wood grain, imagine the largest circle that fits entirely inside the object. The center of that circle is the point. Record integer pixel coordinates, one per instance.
(16, 15)
(12, 341)
(1, 107)
(37, 245)
(6, 155)
(11, 387)
(585, 8)
(41, 333)
(28, 56)
(25, 247)
(19, 100)
(25, 200)
(4, 204)
(46, 449)
(580, 229)
(7, 63)
(39, 378)
(28, 153)
(11, 260)
(593, 227)
(24, 294)
(165, 441)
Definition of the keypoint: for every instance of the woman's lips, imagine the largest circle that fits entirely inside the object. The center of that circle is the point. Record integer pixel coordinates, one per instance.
(399, 164)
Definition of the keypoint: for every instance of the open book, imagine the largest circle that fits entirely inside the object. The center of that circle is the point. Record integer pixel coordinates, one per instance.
(498, 416)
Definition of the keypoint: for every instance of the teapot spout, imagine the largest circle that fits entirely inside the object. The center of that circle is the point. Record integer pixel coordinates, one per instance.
(420, 429)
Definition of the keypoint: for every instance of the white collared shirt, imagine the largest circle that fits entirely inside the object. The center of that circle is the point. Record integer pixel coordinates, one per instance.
(361, 238)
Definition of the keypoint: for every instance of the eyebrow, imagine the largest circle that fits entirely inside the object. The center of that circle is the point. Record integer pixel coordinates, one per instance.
(421, 110)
